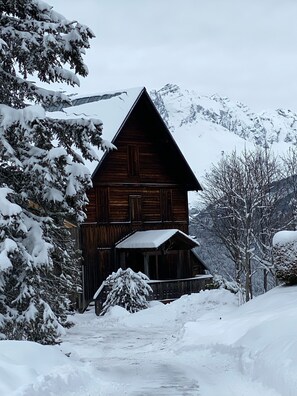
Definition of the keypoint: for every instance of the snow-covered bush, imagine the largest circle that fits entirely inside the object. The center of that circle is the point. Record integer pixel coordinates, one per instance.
(219, 282)
(128, 289)
(285, 256)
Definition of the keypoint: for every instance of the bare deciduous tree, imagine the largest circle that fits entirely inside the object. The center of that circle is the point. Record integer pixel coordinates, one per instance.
(242, 197)
(290, 175)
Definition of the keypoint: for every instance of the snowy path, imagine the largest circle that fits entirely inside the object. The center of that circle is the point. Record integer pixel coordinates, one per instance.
(142, 355)
(133, 362)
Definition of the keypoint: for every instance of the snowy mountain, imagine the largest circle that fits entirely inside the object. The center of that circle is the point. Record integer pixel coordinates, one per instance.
(206, 127)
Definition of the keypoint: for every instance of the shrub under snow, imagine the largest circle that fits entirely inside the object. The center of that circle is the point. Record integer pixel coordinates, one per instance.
(285, 256)
(128, 289)
(219, 282)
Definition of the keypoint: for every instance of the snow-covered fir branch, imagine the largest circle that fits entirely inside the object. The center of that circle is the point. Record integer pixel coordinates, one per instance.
(43, 179)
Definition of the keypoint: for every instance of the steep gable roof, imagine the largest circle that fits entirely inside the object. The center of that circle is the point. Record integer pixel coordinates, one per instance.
(114, 108)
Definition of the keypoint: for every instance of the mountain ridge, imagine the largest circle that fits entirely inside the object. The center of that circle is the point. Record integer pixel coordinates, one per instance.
(264, 128)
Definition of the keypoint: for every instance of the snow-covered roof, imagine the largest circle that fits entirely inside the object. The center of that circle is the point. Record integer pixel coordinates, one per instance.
(284, 237)
(151, 239)
(112, 108)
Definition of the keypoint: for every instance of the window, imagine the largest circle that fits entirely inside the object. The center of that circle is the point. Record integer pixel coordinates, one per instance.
(103, 205)
(133, 160)
(166, 205)
(135, 208)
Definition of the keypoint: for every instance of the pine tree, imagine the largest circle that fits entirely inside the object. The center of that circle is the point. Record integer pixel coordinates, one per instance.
(128, 289)
(43, 179)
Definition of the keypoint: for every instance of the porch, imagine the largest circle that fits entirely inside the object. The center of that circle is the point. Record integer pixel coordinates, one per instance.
(159, 254)
(163, 290)
(166, 257)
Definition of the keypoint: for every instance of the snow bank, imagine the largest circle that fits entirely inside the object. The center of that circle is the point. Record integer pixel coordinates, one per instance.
(261, 335)
(270, 353)
(270, 344)
(185, 309)
(204, 343)
(31, 369)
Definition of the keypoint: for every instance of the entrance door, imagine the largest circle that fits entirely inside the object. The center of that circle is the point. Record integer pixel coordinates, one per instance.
(134, 260)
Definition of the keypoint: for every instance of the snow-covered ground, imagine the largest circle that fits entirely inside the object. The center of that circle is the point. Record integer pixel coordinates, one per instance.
(204, 344)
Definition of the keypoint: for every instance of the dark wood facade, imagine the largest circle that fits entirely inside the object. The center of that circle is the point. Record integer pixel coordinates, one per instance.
(142, 185)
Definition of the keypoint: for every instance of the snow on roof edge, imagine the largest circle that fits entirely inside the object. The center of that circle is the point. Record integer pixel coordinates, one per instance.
(113, 111)
(150, 239)
(143, 89)
(284, 237)
(103, 93)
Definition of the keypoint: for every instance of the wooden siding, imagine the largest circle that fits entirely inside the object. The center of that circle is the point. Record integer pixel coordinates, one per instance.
(116, 208)
(148, 153)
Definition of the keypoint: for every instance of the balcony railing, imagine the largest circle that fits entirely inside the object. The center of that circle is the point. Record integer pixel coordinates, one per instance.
(171, 289)
(163, 290)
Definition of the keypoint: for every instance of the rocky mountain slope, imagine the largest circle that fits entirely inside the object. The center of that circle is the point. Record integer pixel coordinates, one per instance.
(206, 127)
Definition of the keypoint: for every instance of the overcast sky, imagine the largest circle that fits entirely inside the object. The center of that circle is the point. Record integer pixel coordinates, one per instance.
(244, 49)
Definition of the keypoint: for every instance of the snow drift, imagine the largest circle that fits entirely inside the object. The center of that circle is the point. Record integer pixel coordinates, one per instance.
(203, 344)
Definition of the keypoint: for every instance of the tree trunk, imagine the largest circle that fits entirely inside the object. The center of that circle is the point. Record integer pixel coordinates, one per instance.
(265, 283)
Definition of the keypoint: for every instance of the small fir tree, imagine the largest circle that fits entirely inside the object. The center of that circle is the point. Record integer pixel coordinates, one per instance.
(128, 289)
(42, 178)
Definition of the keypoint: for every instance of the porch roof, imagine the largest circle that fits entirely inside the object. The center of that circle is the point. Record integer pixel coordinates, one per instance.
(154, 239)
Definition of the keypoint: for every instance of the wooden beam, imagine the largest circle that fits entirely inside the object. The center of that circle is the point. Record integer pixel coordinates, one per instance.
(146, 265)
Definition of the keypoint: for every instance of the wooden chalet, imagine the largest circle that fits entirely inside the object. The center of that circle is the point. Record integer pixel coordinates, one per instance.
(137, 214)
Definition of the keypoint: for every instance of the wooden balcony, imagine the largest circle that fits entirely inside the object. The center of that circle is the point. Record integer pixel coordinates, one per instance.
(163, 290)
(169, 290)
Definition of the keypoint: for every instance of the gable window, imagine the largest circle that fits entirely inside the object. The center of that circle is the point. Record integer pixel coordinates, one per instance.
(135, 208)
(166, 205)
(133, 160)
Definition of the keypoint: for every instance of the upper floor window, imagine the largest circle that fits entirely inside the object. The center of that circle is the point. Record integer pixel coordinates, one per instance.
(103, 204)
(133, 160)
(135, 208)
(166, 205)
